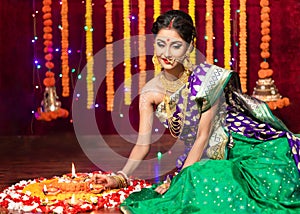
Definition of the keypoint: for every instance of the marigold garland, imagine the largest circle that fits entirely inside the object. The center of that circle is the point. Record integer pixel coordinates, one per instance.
(227, 35)
(243, 45)
(142, 48)
(109, 56)
(209, 32)
(176, 5)
(127, 52)
(191, 11)
(89, 53)
(64, 48)
(156, 13)
(48, 50)
(156, 9)
(265, 72)
(51, 110)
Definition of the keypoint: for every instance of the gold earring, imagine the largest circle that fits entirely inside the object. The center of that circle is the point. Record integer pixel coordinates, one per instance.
(187, 64)
(157, 66)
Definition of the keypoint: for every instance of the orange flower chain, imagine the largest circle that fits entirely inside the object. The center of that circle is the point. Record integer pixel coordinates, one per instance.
(209, 32)
(243, 45)
(48, 36)
(51, 106)
(109, 56)
(264, 46)
(64, 49)
(142, 48)
(176, 5)
(265, 71)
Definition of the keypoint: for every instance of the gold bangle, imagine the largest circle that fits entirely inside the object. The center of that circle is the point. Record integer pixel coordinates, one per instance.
(124, 176)
(121, 182)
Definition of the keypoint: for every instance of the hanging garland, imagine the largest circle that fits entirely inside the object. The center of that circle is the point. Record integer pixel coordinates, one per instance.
(89, 53)
(209, 32)
(156, 9)
(50, 109)
(176, 5)
(48, 50)
(109, 56)
(127, 53)
(265, 72)
(156, 13)
(227, 35)
(64, 48)
(191, 11)
(142, 48)
(243, 45)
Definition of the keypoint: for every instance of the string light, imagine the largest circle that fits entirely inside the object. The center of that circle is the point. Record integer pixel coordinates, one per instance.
(159, 155)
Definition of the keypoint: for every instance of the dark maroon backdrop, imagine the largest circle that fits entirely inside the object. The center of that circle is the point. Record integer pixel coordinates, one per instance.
(18, 78)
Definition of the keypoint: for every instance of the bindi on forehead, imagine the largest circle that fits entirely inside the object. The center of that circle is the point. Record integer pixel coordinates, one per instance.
(169, 34)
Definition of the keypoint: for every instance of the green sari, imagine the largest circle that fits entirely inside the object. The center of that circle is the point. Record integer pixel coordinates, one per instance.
(251, 168)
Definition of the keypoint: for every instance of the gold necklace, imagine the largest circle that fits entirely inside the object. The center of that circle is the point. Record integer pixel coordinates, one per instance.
(172, 86)
(175, 124)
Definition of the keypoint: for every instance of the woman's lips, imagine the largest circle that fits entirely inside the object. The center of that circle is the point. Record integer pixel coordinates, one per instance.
(166, 61)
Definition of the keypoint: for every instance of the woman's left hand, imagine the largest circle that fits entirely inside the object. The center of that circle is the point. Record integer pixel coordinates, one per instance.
(161, 189)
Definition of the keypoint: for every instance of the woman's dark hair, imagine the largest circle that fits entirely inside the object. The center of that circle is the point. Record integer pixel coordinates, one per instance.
(178, 20)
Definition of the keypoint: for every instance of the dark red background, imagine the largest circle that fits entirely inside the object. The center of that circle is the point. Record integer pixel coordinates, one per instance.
(18, 78)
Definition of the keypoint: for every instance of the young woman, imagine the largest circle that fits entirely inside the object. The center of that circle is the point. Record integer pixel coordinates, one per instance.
(253, 159)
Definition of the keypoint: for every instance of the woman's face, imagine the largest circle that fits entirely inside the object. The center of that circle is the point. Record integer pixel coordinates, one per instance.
(170, 48)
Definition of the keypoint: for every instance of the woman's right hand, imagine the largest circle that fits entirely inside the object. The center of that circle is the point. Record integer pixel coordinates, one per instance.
(105, 180)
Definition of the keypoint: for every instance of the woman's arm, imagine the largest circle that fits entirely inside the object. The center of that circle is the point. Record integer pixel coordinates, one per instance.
(203, 135)
(196, 152)
(142, 147)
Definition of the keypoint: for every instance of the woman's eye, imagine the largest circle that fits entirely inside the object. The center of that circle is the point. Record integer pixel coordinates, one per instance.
(176, 46)
(161, 45)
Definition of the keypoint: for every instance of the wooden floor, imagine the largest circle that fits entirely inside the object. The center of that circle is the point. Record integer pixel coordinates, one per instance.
(28, 157)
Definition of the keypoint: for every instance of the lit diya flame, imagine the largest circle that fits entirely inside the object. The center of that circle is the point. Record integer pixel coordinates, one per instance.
(73, 171)
(45, 190)
(74, 201)
(50, 190)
